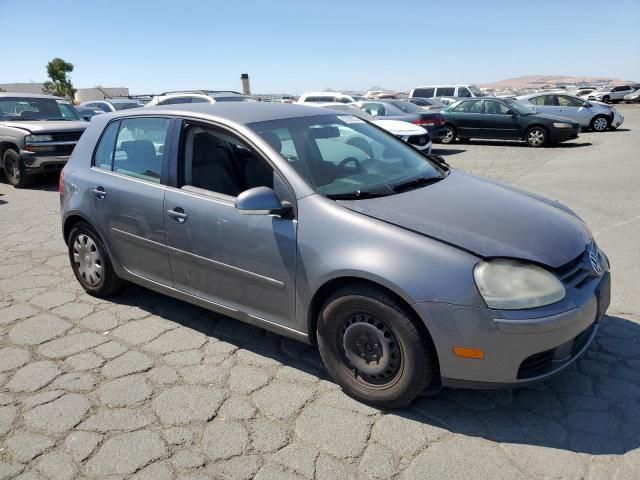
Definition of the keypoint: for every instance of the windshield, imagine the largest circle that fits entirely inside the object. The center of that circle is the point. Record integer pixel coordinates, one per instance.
(476, 91)
(344, 157)
(125, 105)
(233, 99)
(39, 109)
(408, 107)
(521, 108)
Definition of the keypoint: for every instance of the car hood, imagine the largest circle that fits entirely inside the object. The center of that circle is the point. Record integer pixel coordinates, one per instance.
(400, 128)
(484, 217)
(40, 126)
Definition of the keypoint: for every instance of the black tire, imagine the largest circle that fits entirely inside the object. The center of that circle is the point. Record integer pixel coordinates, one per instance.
(107, 282)
(368, 317)
(600, 123)
(14, 169)
(537, 136)
(450, 137)
(606, 99)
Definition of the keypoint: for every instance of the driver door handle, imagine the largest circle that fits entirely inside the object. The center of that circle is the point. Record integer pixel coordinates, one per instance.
(178, 214)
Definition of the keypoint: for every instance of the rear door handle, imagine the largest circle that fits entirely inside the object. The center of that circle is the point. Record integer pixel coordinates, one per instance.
(99, 192)
(178, 214)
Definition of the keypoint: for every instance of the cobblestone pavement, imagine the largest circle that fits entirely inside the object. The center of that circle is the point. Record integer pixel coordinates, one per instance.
(144, 386)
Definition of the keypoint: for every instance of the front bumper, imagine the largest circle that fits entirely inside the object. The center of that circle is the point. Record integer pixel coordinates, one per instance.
(517, 352)
(564, 134)
(36, 162)
(618, 119)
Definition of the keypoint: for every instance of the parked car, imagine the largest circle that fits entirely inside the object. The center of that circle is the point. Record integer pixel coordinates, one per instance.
(88, 112)
(447, 94)
(198, 96)
(428, 103)
(594, 115)
(405, 272)
(112, 105)
(407, 112)
(507, 119)
(633, 96)
(37, 135)
(410, 133)
(328, 97)
(611, 94)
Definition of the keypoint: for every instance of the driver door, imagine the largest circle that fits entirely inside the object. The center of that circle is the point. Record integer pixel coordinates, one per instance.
(245, 263)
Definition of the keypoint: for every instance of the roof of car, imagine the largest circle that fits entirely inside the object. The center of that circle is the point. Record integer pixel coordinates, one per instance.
(28, 95)
(239, 112)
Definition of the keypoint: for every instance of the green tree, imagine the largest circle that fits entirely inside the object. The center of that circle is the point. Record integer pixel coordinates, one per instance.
(60, 84)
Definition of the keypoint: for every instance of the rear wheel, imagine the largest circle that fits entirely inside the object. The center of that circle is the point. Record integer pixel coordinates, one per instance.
(600, 123)
(14, 169)
(91, 263)
(536, 137)
(373, 348)
(450, 136)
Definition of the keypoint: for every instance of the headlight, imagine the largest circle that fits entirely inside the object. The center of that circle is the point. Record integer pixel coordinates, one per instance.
(38, 138)
(561, 125)
(510, 284)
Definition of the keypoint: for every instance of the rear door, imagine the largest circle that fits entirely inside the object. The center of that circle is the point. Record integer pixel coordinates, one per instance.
(545, 104)
(468, 118)
(242, 263)
(496, 123)
(129, 167)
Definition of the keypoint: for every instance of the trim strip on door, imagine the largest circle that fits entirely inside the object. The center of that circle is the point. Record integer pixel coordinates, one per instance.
(203, 260)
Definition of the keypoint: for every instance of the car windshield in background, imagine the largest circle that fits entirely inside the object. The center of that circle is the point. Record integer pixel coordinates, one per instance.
(343, 157)
(408, 107)
(476, 91)
(39, 109)
(353, 111)
(521, 108)
(125, 105)
(233, 99)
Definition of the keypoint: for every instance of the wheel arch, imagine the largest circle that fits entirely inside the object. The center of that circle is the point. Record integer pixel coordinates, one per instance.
(69, 223)
(529, 127)
(4, 146)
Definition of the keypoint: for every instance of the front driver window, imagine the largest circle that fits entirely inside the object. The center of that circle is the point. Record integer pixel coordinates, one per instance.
(464, 92)
(492, 107)
(565, 101)
(215, 161)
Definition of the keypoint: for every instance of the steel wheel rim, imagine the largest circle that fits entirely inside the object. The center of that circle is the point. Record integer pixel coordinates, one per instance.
(448, 138)
(371, 350)
(600, 124)
(87, 260)
(536, 137)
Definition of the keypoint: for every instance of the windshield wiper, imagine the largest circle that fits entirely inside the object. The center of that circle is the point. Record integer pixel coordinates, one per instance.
(415, 183)
(359, 195)
(57, 119)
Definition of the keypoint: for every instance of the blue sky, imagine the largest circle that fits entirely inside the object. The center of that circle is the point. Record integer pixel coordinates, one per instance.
(296, 46)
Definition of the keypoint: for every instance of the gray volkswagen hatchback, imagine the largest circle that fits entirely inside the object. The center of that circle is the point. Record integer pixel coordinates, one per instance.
(320, 226)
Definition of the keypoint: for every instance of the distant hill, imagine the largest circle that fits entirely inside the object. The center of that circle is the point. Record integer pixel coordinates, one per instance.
(538, 81)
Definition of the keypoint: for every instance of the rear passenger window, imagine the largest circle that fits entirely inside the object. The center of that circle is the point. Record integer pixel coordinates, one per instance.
(445, 92)
(139, 147)
(103, 157)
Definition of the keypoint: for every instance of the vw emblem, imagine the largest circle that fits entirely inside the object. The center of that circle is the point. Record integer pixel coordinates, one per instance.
(596, 266)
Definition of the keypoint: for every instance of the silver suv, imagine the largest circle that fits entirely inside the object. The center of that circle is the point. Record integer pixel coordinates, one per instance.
(37, 135)
(405, 272)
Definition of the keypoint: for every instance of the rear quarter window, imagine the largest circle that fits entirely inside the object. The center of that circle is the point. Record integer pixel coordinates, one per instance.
(103, 157)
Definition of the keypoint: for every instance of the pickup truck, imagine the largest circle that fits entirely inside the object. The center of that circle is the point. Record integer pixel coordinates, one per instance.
(37, 135)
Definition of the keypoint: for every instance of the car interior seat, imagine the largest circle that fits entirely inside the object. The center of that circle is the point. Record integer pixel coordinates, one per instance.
(212, 166)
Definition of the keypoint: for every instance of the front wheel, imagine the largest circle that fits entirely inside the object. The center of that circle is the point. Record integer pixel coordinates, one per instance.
(600, 123)
(450, 136)
(91, 263)
(373, 348)
(14, 169)
(606, 99)
(536, 137)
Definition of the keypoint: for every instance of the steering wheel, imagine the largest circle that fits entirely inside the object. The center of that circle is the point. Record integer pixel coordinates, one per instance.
(349, 160)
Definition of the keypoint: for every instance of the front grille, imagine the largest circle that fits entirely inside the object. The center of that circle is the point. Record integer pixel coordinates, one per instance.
(537, 364)
(575, 273)
(64, 149)
(419, 140)
(542, 362)
(66, 136)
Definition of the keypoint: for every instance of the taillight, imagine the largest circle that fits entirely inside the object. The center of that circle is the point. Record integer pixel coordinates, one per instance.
(61, 183)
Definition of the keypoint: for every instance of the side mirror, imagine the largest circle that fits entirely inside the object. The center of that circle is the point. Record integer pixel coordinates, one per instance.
(510, 112)
(262, 201)
(586, 104)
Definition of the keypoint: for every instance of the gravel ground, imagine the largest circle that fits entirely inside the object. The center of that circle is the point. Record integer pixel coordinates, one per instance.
(144, 386)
